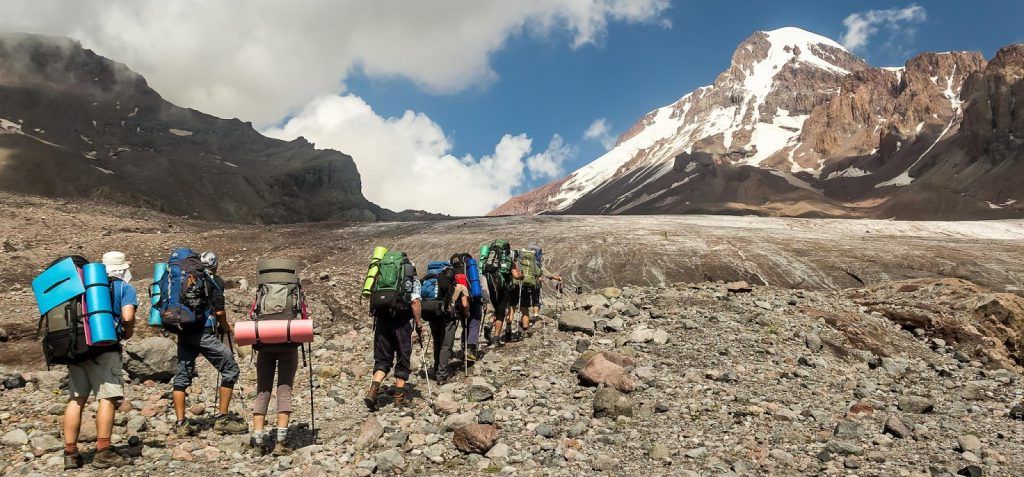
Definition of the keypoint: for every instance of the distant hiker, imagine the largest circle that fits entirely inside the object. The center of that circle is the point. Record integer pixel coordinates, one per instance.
(87, 310)
(216, 314)
(530, 262)
(395, 304)
(500, 271)
(436, 292)
(464, 264)
(279, 301)
(187, 294)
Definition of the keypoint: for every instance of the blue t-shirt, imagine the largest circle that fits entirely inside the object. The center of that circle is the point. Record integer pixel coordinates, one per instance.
(123, 294)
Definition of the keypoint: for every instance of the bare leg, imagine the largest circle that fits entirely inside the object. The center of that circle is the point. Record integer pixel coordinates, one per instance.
(179, 404)
(282, 419)
(73, 420)
(105, 418)
(258, 421)
(378, 376)
(225, 400)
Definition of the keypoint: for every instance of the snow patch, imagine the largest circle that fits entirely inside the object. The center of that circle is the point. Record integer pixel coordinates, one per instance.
(105, 171)
(770, 138)
(180, 132)
(848, 172)
(794, 181)
(10, 127)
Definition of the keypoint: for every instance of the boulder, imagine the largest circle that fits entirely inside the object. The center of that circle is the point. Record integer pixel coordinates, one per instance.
(50, 381)
(738, 287)
(46, 443)
(15, 438)
(896, 428)
(916, 404)
(369, 432)
(611, 293)
(609, 402)
(573, 321)
(389, 460)
(593, 302)
(599, 370)
(154, 358)
(475, 438)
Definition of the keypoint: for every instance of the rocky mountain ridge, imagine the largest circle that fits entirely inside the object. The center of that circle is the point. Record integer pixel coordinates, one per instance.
(798, 126)
(76, 124)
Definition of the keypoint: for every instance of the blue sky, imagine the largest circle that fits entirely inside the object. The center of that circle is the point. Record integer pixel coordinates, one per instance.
(545, 87)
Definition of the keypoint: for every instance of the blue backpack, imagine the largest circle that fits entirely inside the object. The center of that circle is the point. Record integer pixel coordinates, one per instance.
(184, 292)
(429, 288)
(538, 255)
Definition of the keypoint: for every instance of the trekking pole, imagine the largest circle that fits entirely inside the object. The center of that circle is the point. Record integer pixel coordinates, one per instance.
(312, 415)
(426, 375)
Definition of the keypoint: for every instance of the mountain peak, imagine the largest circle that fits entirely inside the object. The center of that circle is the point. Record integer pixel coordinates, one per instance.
(797, 36)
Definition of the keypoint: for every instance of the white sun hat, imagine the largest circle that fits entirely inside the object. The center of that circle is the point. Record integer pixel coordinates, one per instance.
(115, 261)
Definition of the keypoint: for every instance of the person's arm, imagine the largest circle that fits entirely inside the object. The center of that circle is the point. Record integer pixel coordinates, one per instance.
(128, 320)
(549, 274)
(219, 310)
(516, 274)
(464, 301)
(417, 308)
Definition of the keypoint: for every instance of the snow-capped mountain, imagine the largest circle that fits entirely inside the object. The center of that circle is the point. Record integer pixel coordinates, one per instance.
(799, 126)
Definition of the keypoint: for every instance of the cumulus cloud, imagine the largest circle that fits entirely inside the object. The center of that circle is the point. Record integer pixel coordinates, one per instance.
(600, 131)
(406, 162)
(265, 59)
(860, 27)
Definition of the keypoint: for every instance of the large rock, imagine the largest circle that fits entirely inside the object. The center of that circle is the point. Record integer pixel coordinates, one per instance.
(46, 443)
(15, 438)
(609, 402)
(50, 381)
(573, 321)
(595, 301)
(611, 293)
(599, 370)
(916, 404)
(475, 438)
(154, 358)
(389, 460)
(369, 432)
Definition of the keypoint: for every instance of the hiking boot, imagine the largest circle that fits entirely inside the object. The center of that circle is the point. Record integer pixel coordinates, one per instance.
(230, 424)
(471, 354)
(261, 445)
(371, 396)
(73, 461)
(487, 333)
(282, 448)
(107, 458)
(185, 429)
(517, 336)
(399, 394)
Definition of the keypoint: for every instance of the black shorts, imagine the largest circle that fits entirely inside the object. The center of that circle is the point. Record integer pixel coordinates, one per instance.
(525, 297)
(499, 298)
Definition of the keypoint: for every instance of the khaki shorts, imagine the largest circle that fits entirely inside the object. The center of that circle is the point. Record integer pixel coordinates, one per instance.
(100, 376)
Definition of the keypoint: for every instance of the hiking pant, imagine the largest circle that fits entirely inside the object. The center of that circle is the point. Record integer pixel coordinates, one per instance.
(476, 313)
(392, 345)
(499, 297)
(282, 361)
(443, 332)
(206, 343)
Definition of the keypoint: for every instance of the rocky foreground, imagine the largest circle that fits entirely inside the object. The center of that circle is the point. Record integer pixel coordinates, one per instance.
(916, 378)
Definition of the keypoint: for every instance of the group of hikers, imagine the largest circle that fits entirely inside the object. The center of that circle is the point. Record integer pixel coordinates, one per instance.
(188, 301)
(450, 295)
(88, 309)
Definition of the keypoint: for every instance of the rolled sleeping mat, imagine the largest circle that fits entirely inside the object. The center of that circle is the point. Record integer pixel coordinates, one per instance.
(473, 275)
(101, 329)
(159, 269)
(371, 272)
(57, 284)
(485, 249)
(277, 270)
(273, 332)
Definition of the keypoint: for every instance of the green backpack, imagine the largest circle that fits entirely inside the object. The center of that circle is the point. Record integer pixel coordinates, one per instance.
(392, 290)
(528, 267)
(499, 259)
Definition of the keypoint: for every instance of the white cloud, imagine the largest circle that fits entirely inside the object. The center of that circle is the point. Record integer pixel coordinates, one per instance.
(861, 26)
(406, 162)
(600, 131)
(263, 59)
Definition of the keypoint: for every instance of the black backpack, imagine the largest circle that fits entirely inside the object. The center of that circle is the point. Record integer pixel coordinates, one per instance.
(63, 328)
(440, 305)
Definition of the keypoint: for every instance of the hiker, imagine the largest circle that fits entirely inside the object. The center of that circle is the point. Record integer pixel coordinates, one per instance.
(101, 375)
(436, 295)
(279, 297)
(528, 288)
(467, 266)
(188, 292)
(395, 304)
(500, 271)
(545, 274)
(443, 331)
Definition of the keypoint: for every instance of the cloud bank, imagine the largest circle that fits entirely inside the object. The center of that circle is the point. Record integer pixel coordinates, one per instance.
(860, 27)
(407, 162)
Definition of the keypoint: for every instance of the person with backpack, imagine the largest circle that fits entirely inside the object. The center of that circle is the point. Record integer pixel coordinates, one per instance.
(99, 370)
(500, 271)
(395, 305)
(437, 289)
(467, 266)
(279, 298)
(545, 274)
(187, 292)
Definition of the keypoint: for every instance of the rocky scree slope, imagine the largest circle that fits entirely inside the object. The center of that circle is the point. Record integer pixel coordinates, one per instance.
(798, 126)
(702, 379)
(76, 124)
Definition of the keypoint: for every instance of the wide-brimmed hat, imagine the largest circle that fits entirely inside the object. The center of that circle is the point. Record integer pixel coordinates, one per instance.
(115, 261)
